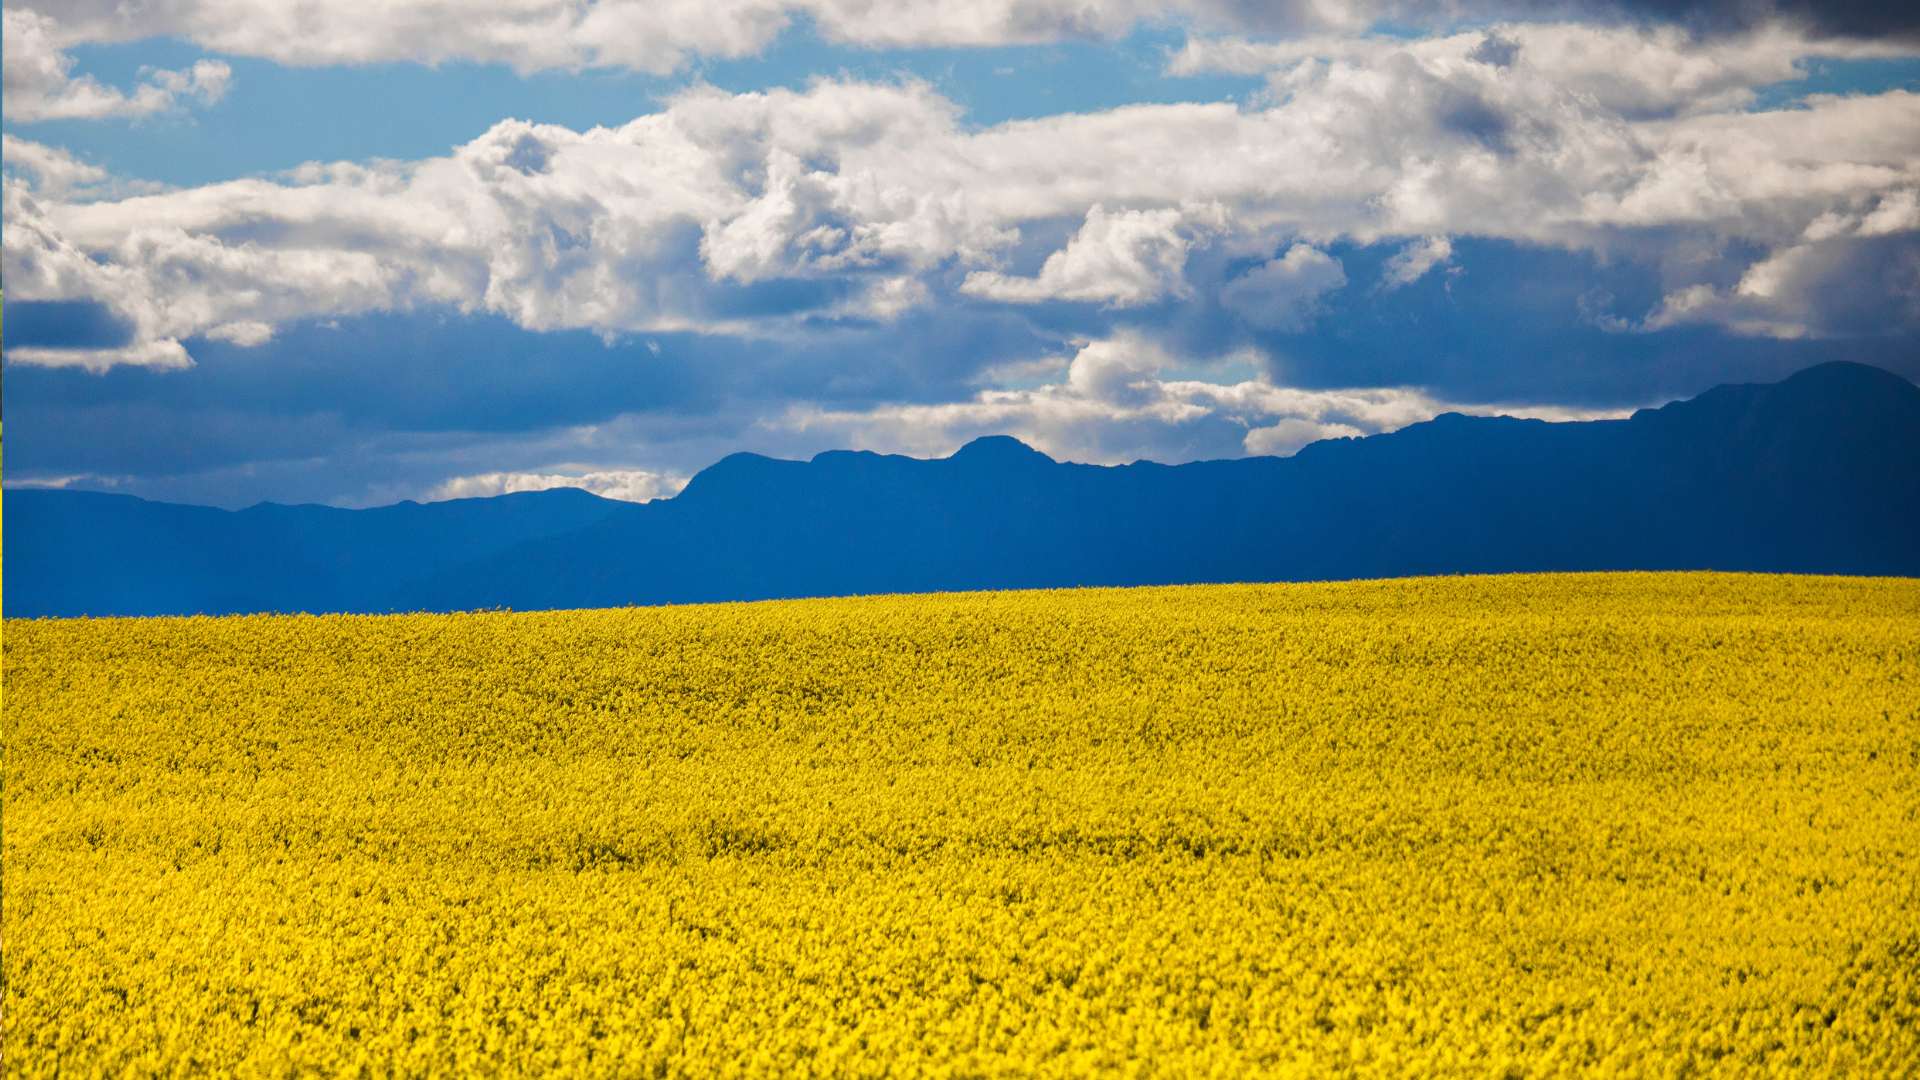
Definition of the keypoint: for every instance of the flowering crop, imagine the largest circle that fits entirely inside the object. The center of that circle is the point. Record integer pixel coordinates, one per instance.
(1559, 823)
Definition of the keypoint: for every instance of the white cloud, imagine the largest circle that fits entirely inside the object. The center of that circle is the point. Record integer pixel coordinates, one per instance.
(1413, 261)
(247, 335)
(1116, 406)
(657, 36)
(1639, 72)
(1833, 286)
(1285, 437)
(661, 36)
(531, 35)
(40, 84)
(207, 80)
(1285, 293)
(791, 222)
(1852, 268)
(1119, 370)
(1897, 212)
(41, 264)
(881, 199)
(68, 481)
(1123, 258)
(160, 353)
(628, 485)
(53, 172)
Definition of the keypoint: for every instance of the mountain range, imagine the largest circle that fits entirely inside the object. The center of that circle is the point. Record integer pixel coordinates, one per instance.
(1817, 473)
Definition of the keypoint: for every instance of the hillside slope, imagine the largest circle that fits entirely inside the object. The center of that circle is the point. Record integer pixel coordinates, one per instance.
(1818, 473)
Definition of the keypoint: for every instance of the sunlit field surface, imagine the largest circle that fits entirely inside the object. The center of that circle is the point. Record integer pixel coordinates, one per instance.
(1536, 823)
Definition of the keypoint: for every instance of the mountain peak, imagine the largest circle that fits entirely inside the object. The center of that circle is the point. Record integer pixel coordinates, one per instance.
(737, 473)
(999, 449)
(1846, 376)
(1839, 392)
(1818, 474)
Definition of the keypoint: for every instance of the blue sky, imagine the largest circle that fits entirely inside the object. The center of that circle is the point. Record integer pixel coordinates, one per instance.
(374, 256)
(288, 116)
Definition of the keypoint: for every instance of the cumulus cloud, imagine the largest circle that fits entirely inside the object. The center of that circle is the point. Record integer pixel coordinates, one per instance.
(1285, 437)
(1284, 294)
(1851, 270)
(53, 171)
(660, 36)
(1122, 258)
(783, 212)
(40, 84)
(1117, 405)
(41, 264)
(169, 284)
(628, 485)
(1118, 370)
(1827, 287)
(1639, 71)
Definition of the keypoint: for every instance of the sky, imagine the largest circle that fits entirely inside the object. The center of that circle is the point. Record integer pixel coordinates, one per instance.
(359, 251)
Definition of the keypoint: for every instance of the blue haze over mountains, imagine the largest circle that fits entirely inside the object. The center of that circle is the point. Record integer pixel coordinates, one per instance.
(1818, 473)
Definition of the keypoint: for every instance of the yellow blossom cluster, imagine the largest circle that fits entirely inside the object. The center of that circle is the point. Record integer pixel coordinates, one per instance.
(1527, 825)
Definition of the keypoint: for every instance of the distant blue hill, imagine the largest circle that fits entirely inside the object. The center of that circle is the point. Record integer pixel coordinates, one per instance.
(1819, 473)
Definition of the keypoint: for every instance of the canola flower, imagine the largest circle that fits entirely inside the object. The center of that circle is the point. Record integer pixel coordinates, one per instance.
(1528, 825)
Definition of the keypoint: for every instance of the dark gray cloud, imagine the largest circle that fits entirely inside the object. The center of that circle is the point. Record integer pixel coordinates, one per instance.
(857, 255)
(1513, 322)
(67, 324)
(1840, 18)
(392, 404)
(389, 406)
(1496, 50)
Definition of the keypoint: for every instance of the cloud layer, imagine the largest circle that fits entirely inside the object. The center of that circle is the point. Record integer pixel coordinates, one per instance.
(661, 36)
(40, 84)
(656, 36)
(628, 485)
(775, 213)
(1117, 404)
(1595, 207)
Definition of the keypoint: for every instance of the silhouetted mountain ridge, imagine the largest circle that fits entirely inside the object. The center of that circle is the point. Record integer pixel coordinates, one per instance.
(1818, 473)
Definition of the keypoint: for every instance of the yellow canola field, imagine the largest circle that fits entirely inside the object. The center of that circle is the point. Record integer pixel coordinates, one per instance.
(1520, 825)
